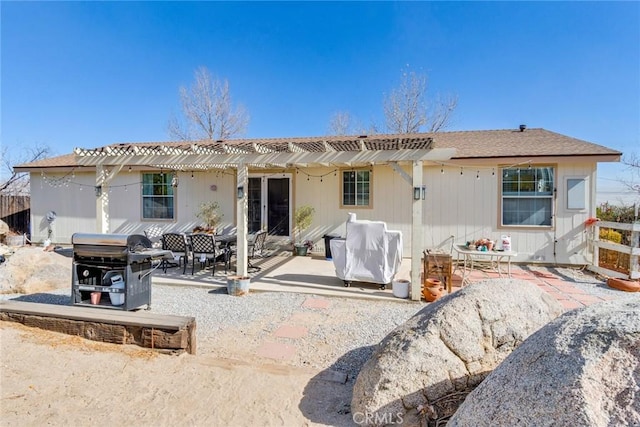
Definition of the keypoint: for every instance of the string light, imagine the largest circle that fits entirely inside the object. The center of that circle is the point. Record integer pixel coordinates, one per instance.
(478, 175)
(442, 169)
(461, 172)
(493, 172)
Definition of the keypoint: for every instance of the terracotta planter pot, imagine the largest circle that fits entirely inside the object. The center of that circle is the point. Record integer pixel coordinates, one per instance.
(624, 285)
(432, 290)
(95, 297)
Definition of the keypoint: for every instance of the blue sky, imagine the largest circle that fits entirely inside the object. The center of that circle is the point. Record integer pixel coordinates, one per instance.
(87, 74)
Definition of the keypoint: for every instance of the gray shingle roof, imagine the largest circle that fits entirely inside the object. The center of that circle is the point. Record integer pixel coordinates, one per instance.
(468, 144)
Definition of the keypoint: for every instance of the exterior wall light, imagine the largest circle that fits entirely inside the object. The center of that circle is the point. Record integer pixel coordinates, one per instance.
(420, 192)
(240, 192)
(416, 193)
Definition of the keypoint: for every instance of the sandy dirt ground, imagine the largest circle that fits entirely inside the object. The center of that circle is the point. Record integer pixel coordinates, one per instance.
(54, 379)
(48, 378)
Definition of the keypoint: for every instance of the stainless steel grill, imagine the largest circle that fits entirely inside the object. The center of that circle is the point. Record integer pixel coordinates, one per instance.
(113, 270)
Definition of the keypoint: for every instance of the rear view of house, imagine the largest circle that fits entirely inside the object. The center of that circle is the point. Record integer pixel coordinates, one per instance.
(533, 185)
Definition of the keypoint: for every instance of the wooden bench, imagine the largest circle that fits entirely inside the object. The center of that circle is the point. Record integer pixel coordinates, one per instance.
(151, 330)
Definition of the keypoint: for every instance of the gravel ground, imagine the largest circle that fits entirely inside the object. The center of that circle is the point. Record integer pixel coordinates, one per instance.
(341, 337)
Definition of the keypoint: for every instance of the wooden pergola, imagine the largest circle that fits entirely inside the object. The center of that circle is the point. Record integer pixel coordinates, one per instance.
(239, 155)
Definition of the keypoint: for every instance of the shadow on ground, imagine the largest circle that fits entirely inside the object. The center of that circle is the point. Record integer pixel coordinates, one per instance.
(44, 298)
(327, 397)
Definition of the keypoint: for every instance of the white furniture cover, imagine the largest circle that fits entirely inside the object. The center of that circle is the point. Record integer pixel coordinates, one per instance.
(369, 253)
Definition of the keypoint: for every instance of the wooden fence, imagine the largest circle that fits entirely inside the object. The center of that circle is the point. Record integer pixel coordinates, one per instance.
(15, 211)
(615, 259)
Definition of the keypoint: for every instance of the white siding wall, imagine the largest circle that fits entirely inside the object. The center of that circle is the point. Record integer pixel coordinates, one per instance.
(392, 198)
(460, 206)
(468, 209)
(126, 206)
(75, 206)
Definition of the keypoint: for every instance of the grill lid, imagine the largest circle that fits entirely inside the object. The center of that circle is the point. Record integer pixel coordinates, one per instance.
(134, 242)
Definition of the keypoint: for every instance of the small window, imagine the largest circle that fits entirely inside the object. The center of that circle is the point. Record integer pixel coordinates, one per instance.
(356, 187)
(157, 196)
(576, 193)
(527, 196)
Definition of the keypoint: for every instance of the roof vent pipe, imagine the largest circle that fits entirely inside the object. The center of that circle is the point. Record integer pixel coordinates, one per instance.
(522, 128)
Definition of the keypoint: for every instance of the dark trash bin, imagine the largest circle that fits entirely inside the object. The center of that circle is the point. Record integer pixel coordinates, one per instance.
(327, 245)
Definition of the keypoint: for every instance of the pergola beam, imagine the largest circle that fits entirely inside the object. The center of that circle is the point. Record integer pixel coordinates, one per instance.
(233, 159)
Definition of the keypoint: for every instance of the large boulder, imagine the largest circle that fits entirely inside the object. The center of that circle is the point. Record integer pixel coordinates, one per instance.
(4, 231)
(31, 269)
(425, 367)
(583, 369)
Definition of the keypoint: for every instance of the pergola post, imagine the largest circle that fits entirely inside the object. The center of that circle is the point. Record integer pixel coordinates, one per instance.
(417, 194)
(241, 220)
(102, 200)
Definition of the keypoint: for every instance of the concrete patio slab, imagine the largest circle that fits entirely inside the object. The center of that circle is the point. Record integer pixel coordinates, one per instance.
(315, 276)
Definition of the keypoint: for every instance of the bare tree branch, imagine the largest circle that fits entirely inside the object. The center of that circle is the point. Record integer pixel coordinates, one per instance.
(632, 161)
(343, 123)
(18, 183)
(208, 111)
(340, 123)
(442, 112)
(406, 110)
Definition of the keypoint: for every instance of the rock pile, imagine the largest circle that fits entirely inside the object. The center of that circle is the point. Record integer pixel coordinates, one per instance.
(425, 368)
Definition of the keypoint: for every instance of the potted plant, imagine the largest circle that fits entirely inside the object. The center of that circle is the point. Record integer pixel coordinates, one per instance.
(302, 219)
(209, 213)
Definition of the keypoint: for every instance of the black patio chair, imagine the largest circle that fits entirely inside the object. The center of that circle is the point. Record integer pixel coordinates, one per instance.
(177, 244)
(206, 251)
(154, 233)
(256, 248)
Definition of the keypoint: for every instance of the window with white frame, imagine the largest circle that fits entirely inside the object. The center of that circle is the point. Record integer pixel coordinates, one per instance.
(356, 187)
(527, 196)
(576, 194)
(157, 196)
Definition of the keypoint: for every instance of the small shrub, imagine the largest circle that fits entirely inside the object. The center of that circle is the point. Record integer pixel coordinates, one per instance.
(610, 235)
(209, 212)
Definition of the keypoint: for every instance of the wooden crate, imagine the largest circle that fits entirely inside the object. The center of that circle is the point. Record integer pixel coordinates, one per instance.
(439, 265)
